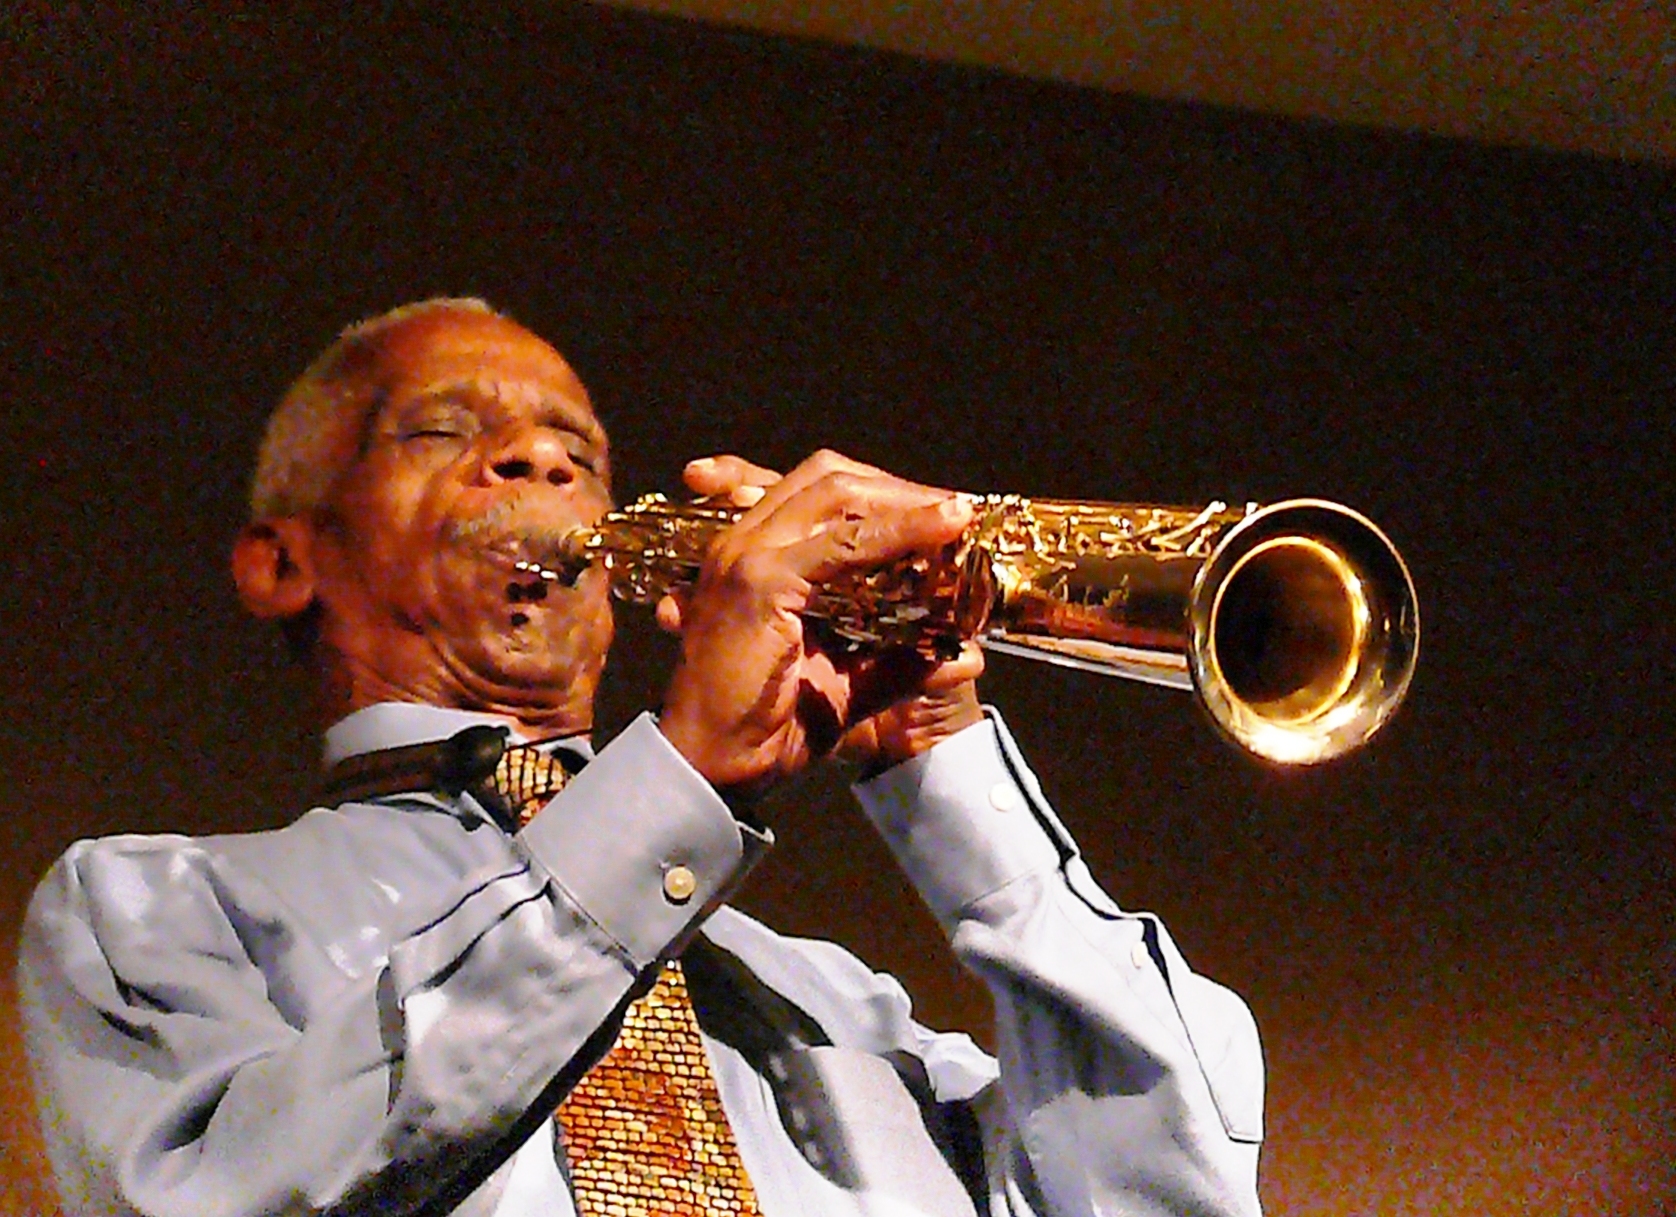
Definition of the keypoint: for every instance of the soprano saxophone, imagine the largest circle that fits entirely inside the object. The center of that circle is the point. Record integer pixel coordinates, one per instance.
(1296, 623)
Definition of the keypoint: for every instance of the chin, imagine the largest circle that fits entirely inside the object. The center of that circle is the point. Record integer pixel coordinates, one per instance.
(542, 649)
(533, 650)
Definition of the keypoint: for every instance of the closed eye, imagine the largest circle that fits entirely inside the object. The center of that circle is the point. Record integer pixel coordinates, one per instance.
(440, 421)
(583, 454)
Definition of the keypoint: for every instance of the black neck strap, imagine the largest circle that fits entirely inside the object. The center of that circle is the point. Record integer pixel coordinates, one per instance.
(464, 760)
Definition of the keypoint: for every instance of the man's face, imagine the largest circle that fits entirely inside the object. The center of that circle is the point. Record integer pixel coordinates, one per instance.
(482, 446)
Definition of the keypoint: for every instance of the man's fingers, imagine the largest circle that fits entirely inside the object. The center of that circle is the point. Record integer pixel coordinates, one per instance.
(889, 677)
(745, 484)
(820, 467)
(728, 475)
(964, 667)
(883, 680)
(671, 611)
(836, 528)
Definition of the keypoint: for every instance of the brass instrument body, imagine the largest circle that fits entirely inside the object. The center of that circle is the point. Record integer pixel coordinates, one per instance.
(1295, 623)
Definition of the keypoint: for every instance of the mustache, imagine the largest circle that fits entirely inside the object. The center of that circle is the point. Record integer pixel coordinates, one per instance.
(511, 526)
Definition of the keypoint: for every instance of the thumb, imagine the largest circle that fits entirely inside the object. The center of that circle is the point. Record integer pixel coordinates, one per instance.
(672, 609)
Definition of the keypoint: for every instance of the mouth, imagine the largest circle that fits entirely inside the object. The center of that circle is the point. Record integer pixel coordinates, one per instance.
(526, 548)
(510, 536)
(530, 588)
(541, 574)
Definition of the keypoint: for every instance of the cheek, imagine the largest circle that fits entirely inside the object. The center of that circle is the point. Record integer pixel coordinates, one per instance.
(386, 521)
(586, 612)
(604, 617)
(403, 486)
(412, 544)
(599, 499)
(581, 623)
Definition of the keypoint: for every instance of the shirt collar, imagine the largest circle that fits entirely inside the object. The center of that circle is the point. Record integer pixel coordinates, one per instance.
(394, 724)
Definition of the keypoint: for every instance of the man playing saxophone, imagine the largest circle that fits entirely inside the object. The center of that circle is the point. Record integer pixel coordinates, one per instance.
(496, 971)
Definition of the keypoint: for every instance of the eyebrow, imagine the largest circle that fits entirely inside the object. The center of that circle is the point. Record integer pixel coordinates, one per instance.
(577, 416)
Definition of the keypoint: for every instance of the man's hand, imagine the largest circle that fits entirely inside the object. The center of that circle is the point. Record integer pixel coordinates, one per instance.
(946, 702)
(754, 698)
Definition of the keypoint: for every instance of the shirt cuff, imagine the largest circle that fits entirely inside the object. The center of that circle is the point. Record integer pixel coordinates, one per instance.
(642, 844)
(961, 821)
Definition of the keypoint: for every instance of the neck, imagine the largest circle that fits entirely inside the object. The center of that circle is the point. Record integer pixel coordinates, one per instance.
(533, 713)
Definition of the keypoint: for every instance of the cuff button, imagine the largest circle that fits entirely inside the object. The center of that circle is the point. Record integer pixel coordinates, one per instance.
(1003, 796)
(679, 884)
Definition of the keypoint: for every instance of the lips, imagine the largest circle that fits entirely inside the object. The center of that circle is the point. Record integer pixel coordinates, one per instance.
(526, 567)
(512, 534)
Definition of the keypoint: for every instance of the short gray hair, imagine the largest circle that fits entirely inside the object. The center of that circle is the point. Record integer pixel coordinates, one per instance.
(298, 460)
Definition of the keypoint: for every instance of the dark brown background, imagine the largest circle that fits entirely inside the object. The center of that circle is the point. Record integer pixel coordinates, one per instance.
(1456, 944)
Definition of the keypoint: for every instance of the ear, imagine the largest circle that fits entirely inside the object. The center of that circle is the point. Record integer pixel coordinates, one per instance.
(273, 566)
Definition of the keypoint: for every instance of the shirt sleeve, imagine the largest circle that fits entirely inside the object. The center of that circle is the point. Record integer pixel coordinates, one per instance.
(1129, 1084)
(360, 1013)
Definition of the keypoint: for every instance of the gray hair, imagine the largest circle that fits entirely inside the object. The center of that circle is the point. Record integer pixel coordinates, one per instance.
(298, 460)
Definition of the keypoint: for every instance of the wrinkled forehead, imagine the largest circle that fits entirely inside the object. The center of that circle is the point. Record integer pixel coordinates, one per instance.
(468, 357)
(471, 348)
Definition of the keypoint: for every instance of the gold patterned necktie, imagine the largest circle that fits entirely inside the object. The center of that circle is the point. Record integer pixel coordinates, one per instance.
(527, 779)
(644, 1129)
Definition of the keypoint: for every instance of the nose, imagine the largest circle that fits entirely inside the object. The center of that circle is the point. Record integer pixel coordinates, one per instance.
(529, 453)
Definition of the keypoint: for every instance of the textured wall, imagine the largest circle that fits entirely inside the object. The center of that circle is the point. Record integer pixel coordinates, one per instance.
(1456, 944)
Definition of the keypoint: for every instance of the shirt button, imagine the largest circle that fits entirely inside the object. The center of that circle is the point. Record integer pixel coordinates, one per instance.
(1003, 796)
(679, 884)
(1138, 955)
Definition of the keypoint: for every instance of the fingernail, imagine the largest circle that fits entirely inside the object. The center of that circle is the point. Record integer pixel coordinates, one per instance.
(956, 508)
(703, 464)
(748, 496)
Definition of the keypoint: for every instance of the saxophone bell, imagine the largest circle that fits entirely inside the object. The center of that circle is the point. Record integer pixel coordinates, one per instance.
(1295, 624)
